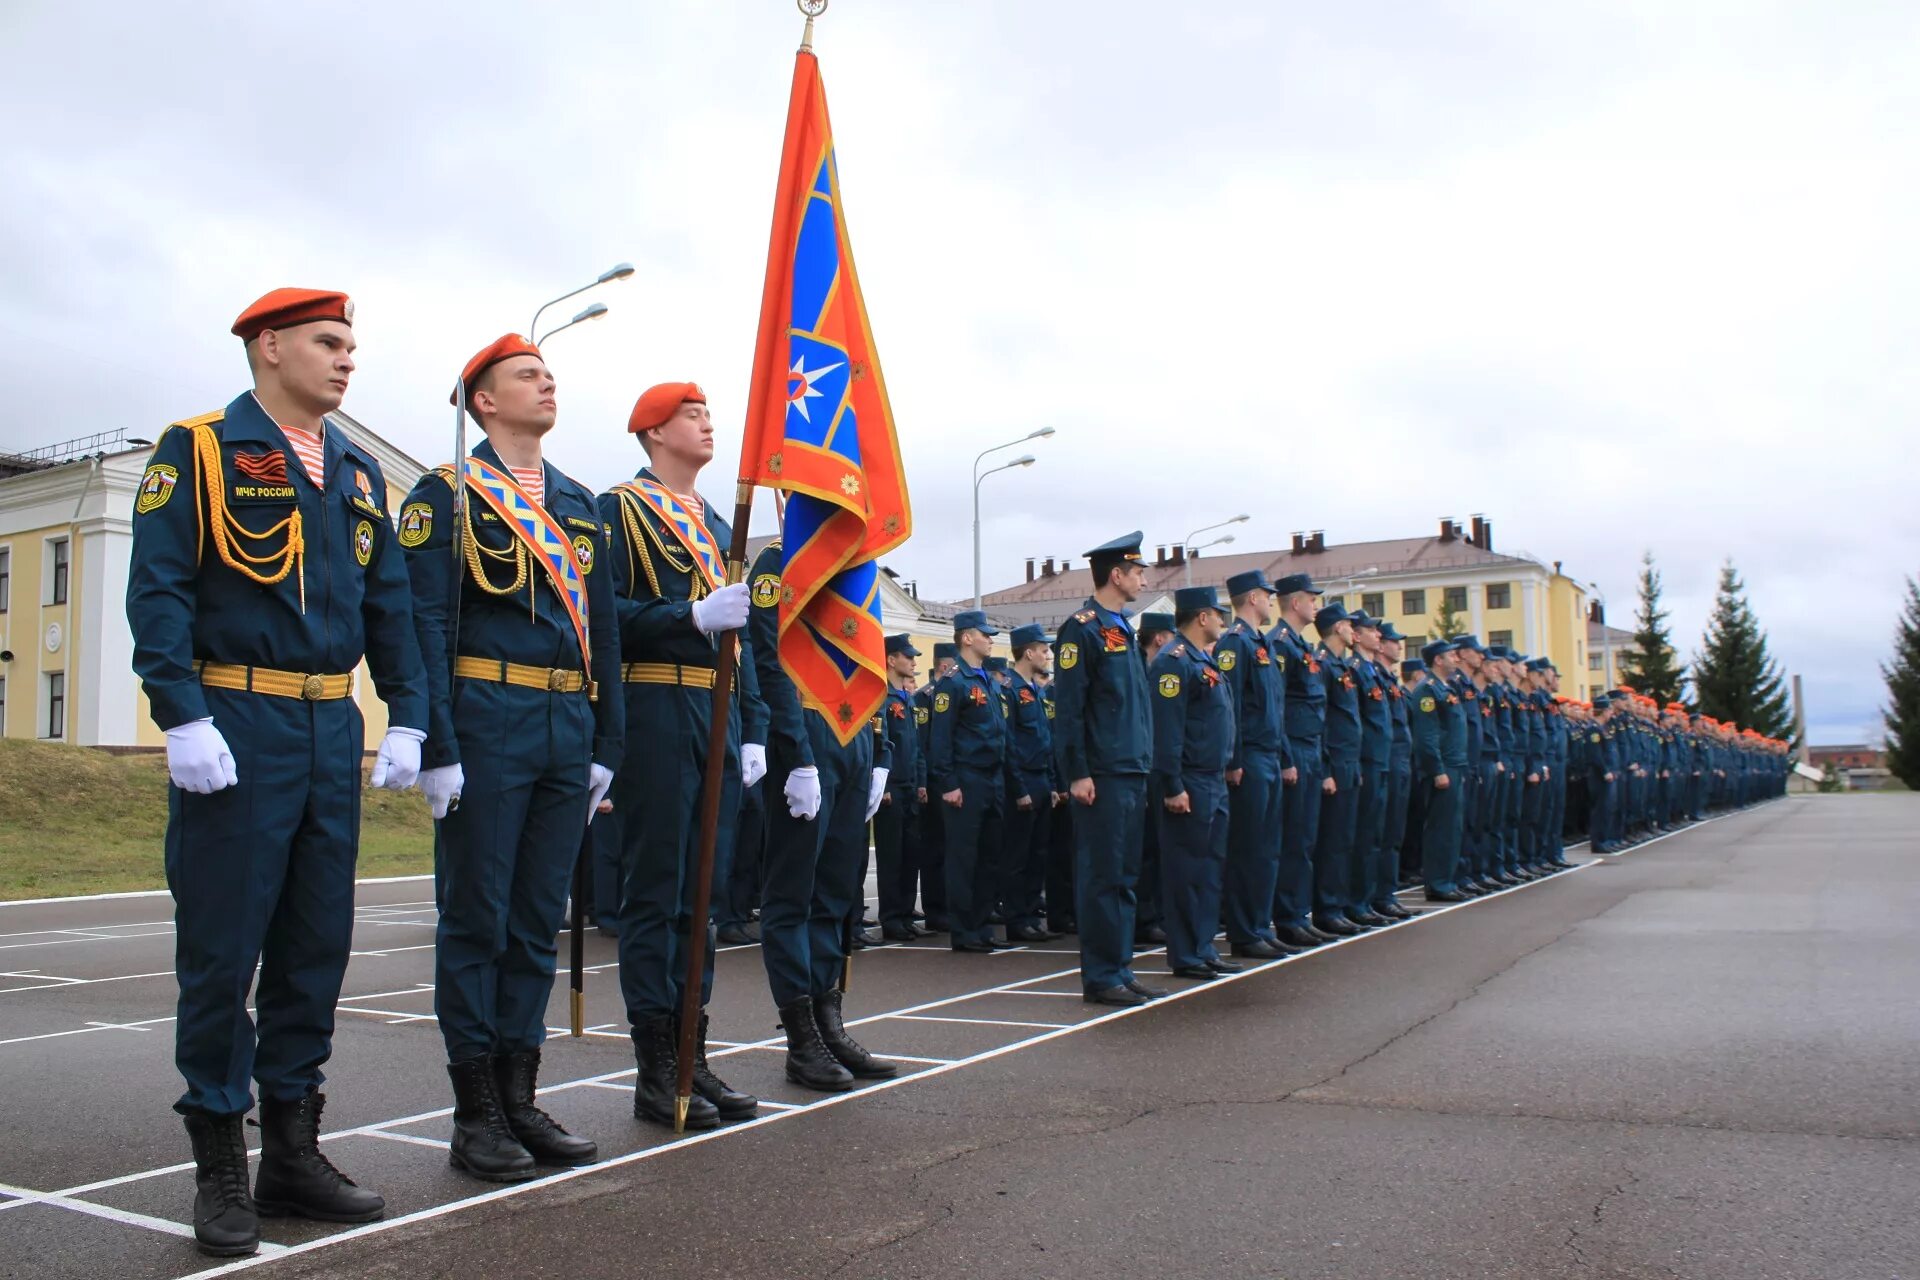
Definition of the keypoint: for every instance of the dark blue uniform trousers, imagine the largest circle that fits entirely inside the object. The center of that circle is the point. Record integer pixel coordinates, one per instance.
(1023, 872)
(894, 855)
(1193, 860)
(1440, 835)
(1369, 825)
(656, 819)
(736, 896)
(1253, 847)
(814, 869)
(1108, 835)
(1514, 784)
(1147, 908)
(1333, 846)
(1060, 854)
(1299, 834)
(932, 841)
(1533, 803)
(1393, 833)
(262, 872)
(974, 836)
(503, 862)
(1485, 821)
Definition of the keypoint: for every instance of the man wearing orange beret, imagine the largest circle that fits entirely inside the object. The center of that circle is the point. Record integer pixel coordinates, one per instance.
(667, 558)
(516, 621)
(263, 570)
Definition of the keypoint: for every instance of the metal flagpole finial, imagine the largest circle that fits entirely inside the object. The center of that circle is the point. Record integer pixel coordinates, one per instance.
(813, 9)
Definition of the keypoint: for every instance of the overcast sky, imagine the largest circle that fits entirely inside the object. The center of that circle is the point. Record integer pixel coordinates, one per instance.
(1620, 275)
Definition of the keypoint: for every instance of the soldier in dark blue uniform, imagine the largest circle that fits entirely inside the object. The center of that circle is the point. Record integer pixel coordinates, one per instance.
(930, 837)
(967, 773)
(1155, 632)
(1304, 780)
(1370, 880)
(253, 594)
(1032, 787)
(668, 549)
(1253, 770)
(1060, 843)
(1387, 876)
(821, 796)
(1438, 719)
(1193, 738)
(1103, 738)
(1603, 762)
(1412, 672)
(1478, 780)
(1334, 873)
(899, 805)
(520, 638)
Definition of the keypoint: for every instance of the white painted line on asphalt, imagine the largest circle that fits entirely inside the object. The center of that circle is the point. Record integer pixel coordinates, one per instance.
(909, 1057)
(49, 982)
(125, 1217)
(390, 1136)
(88, 1029)
(979, 1022)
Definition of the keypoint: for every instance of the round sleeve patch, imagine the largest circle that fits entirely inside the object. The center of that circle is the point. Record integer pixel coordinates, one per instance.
(416, 523)
(766, 590)
(1169, 685)
(1069, 656)
(1426, 704)
(1226, 659)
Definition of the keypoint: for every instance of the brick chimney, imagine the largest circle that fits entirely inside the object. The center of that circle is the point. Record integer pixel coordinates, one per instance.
(1447, 528)
(1318, 542)
(1029, 568)
(1299, 543)
(1486, 535)
(1046, 570)
(1479, 532)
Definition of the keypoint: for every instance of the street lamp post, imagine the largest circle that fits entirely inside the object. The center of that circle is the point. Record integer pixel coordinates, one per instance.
(620, 271)
(1346, 588)
(593, 312)
(1223, 538)
(1188, 541)
(1040, 433)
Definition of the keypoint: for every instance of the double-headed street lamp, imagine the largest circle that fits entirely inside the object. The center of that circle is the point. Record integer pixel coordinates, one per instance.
(620, 271)
(979, 475)
(1188, 541)
(593, 312)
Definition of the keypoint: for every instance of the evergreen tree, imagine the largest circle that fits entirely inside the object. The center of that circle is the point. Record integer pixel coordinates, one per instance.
(1648, 667)
(1903, 693)
(1448, 623)
(1734, 677)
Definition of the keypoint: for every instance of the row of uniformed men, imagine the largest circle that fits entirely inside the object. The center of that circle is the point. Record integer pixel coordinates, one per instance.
(520, 638)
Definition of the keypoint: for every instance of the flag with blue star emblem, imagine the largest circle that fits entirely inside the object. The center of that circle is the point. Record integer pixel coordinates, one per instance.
(820, 428)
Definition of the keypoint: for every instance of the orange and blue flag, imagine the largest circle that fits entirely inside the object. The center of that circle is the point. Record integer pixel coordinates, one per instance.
(820, 428)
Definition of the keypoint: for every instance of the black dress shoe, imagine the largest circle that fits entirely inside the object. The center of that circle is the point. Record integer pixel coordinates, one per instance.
(1144, 991)
(1225, 966)
(939, 924)
(1198, 972)
(1368, 920)
(1300, 936)
(1151, 936)
(920, 930)
(977, 948)
(1259, 949)
(994, 944)
(899, 933)
(1446, 895)
(1028, 933)
(738, 935)
(1395, 910)
(1339, 928)
(1113, 995)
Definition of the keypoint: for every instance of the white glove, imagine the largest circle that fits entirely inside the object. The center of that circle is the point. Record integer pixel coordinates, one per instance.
(599, 780)
(724, 610)
(875, 791)
(199, 760)
(396, 766)
(803, 793)
(442, 787)
(753, 763)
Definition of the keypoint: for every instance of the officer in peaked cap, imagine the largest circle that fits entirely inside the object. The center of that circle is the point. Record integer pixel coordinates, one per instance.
(253, 593)
(1371, 892)
(1393, 827)
(1303, 766)
(930, 839)
(1193, 740)
(966, 771)
(1103, 740)
(1254, 682)
(1437, 717)
(906, 782)
(1334, 871)
(1154, 632)
(1032, 787)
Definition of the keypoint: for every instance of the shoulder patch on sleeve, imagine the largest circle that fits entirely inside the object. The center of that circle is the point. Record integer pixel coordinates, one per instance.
(766, 590)
(156, 486)
(941, 702)
(1069, 656)
(1169, 685)
(1226, 659)
(416, 523)
(1426, 704)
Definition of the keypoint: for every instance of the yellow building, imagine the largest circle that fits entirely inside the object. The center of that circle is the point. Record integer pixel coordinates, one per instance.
(66, 534)
(1505, 599)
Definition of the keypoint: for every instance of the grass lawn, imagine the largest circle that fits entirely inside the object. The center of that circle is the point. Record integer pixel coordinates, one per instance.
(75, 820)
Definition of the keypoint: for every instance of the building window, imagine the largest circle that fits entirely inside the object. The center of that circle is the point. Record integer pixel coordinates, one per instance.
(1499, 639)
(1413, 602)
(56, 704)
(1457, 599)
(1412, 644)
(6, 577)
(1375, 603)
(1593, 662)
(57, 578)
(1499, 595)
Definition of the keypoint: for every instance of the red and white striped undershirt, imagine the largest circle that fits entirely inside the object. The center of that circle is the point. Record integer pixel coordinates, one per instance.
(533, 480)
(691, 501)
(308, 447)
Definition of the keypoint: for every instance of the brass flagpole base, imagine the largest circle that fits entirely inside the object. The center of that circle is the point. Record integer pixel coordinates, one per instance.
(578, 999)
(680, 1105)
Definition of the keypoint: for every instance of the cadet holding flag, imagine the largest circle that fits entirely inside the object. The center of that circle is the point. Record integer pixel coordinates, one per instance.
(1192, 741)
(519, 637)
(263, 570)
(1103, 739)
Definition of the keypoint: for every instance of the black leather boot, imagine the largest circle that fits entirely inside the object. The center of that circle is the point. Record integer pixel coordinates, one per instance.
(225, 1223)
(847, 1051)
(727, 1100)
(483, 1144)
(295, 1178)
(809, 1064)
(516, 1076)
(658, 1079)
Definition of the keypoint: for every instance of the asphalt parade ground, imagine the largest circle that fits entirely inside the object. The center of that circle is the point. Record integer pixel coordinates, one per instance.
(1700, 1058)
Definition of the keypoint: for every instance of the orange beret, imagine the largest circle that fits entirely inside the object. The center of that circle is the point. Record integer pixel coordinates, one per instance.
(505, 347)
(657, 404)
(285, 308)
